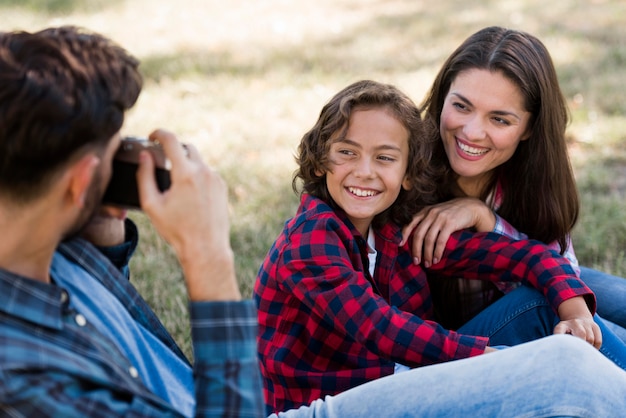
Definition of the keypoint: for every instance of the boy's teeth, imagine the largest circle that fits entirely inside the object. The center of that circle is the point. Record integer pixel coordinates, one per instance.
(360, 192)
(472, 150)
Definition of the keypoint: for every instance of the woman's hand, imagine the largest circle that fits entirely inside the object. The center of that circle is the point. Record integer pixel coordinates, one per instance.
(432, 226)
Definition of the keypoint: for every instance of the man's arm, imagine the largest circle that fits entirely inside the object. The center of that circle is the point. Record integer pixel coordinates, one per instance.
(227, 377)
(192, 216)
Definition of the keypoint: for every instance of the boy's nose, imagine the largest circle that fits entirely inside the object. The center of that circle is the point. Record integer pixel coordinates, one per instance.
(363, 168)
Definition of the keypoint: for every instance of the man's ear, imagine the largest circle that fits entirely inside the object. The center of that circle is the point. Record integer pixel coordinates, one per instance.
(80, 177)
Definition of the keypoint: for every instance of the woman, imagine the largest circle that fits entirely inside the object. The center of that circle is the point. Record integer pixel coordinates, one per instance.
(499, 117)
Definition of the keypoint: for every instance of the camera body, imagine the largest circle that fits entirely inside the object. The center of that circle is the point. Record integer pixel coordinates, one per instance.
(122, 188)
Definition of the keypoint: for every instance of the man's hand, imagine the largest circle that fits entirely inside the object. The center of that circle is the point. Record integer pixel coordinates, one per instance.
(192, 216)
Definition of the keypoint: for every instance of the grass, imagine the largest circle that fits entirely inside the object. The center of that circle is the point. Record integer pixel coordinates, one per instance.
(244, 81)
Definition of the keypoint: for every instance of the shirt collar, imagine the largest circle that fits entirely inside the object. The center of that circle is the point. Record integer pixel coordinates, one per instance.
(389, 232)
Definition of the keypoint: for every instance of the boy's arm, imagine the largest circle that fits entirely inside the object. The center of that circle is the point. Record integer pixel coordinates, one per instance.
(505, 228)
(494, 257)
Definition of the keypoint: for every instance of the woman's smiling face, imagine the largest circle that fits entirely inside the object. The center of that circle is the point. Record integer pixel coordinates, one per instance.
(483, 120)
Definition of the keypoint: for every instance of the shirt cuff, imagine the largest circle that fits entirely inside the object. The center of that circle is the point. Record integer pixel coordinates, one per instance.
(223, 330)
(500, 226)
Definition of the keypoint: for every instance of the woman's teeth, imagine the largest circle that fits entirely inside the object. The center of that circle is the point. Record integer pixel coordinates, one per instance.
(471, 150)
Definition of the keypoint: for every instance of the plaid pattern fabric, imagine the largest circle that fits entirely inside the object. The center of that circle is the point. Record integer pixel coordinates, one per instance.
(326, 326)
(52, 364)
(505, 228)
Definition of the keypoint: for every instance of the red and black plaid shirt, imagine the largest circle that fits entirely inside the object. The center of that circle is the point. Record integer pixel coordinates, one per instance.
(326, 326)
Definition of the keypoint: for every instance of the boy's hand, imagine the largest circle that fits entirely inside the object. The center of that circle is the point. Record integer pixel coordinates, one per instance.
(576, 319)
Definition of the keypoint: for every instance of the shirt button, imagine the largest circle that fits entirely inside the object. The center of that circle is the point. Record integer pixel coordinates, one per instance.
(80, 320)
(64, 296)
(133, 372)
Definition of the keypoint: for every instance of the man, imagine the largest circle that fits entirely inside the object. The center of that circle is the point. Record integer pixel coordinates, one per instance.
(78, 340)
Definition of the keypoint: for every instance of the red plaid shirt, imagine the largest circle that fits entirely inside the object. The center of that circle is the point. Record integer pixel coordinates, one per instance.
(326, 326)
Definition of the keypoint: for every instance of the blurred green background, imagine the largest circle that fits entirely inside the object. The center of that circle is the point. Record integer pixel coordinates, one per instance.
(244, 79)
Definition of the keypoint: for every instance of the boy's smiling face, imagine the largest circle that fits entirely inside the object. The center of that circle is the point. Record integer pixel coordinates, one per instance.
(368, 166)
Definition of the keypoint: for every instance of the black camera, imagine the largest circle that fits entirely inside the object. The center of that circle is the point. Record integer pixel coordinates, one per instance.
(122, 189)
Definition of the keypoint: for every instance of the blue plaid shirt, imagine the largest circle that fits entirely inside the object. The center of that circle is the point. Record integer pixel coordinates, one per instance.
(51, 364)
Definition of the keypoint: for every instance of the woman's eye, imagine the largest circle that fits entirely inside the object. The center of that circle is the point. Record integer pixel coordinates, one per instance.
(459, 106)
(501, 121)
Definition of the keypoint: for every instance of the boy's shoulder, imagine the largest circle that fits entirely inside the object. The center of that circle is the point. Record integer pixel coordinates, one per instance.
(312, 206)
(314, 214)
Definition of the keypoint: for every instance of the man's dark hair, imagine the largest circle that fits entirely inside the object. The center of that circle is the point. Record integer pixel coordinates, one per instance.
(62, 90)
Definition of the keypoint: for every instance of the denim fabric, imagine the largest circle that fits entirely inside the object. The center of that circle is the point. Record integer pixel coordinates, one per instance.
(524, 315)
(611, 298)
(55, 363)
(557, 376)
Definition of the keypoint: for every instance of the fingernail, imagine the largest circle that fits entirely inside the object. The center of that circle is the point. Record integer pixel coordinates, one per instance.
(435, 260)
(416, 260)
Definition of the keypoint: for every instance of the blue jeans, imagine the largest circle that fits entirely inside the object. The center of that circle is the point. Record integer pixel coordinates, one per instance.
(525, 315)
(611, 296)
(557, 376)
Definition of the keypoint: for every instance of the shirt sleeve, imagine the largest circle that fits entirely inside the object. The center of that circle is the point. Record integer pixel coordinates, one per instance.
(226, 370)
(491, 256)
(227, 381)
(505, 228)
